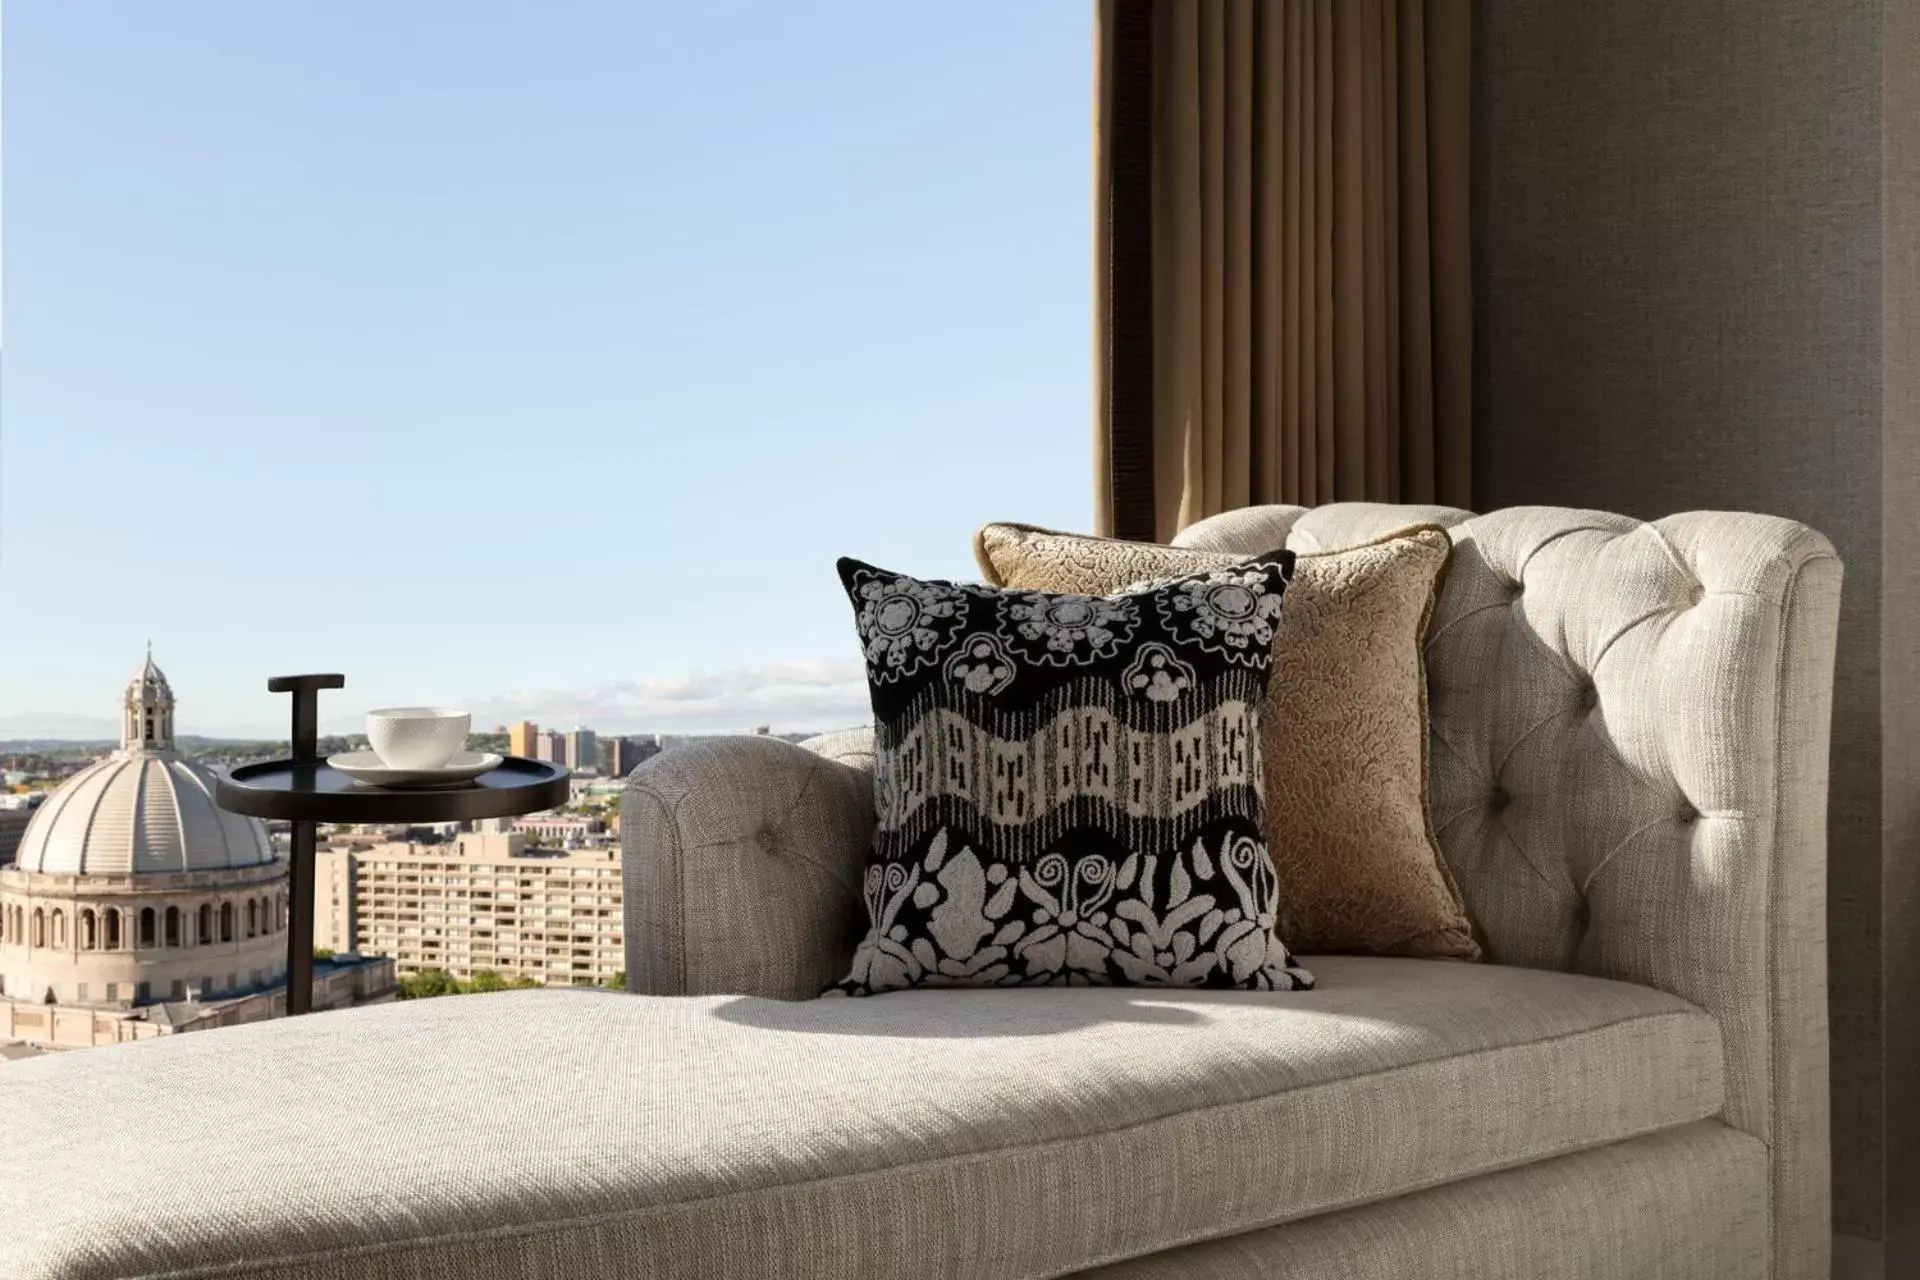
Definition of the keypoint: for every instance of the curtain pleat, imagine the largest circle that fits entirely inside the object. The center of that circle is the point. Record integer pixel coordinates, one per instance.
(1415, 302)
(1311, 322)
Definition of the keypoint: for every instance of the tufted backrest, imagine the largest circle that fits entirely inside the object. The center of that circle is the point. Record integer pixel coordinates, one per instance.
(1628, 772)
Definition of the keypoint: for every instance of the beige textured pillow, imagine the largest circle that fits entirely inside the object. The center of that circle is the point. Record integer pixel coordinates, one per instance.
(1343, 730)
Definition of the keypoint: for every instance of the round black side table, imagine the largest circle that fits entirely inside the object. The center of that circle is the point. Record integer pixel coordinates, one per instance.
(306, 790)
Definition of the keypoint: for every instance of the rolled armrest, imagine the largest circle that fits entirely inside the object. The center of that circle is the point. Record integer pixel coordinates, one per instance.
(742, 861)
(1629, 751)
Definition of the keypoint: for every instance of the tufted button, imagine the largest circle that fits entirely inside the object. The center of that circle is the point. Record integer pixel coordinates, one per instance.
(1589, 697)
(1695, 594)
(1687, 813)
(1499, 800)
(764, 838)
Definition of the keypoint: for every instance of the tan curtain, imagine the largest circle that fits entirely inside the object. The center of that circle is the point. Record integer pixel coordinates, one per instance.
(1310, 302)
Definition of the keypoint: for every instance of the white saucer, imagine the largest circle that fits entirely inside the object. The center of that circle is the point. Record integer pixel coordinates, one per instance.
(365, 766)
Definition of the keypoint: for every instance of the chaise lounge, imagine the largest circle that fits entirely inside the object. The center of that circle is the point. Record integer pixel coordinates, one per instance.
(1628, 777)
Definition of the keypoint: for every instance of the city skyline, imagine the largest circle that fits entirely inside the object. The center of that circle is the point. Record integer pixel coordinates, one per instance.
(788, 696)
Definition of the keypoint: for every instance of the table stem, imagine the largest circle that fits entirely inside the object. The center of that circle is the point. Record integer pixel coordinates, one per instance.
(305, 745)
(300, 925)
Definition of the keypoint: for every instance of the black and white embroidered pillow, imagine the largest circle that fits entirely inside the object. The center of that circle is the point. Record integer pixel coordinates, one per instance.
(1068, 787)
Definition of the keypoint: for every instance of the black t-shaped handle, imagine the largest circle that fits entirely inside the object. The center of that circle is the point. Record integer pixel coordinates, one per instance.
(304, 742)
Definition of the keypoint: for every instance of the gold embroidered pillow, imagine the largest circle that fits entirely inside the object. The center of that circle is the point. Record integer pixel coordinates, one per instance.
(1343, 728)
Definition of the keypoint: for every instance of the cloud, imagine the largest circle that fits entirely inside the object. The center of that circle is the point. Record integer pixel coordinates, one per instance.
(789, 696)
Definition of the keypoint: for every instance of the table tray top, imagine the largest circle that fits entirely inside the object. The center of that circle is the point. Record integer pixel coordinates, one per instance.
(314, 791)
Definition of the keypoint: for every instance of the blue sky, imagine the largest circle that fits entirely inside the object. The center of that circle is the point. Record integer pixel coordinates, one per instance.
(534, 358)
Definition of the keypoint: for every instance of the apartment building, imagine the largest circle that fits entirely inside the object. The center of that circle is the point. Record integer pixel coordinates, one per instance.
(484, 901)
(583, 749)
(620, 756)
(561, 831)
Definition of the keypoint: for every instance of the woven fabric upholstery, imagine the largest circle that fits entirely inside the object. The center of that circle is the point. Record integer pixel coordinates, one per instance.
(1629, 774)
(848, 746)
(1630, 726)
(1687, 1203)
(991, 1134)
(741, 866)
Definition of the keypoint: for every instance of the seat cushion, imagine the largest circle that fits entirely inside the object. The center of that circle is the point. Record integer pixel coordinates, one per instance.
(1690, 1202)
(979, 1133)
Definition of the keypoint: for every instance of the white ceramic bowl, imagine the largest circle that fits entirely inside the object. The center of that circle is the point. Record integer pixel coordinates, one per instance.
(417, 737)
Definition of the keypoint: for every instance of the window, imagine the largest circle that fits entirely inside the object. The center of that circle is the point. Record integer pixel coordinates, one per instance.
(113, 931)
(113, 992)
(80, 993)
(206, 923)
(143, 993)
(87, 931)
(914, 291)
(59, 927)
(179, 991)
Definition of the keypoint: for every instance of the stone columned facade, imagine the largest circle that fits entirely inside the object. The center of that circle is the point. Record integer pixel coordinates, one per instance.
(133, 896)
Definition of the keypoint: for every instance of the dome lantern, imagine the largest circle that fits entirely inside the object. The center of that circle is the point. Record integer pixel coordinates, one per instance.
(147, 710)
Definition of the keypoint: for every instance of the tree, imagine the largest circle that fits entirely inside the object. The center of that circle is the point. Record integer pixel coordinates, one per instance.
(323, 953)
(487, 980)
(618, 981)
(428, 982)
(523, 982)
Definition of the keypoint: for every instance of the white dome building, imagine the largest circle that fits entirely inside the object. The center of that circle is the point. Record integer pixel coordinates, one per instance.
(131, 892)
(143, 809)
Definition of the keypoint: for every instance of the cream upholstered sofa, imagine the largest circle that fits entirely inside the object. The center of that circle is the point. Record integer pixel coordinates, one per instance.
(1629, 759)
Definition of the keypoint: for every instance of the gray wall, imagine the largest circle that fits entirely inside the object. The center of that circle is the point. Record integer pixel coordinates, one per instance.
(1685, 297)
(1900, 626)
